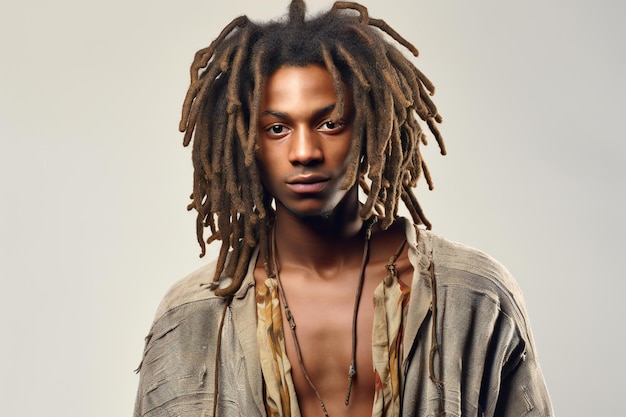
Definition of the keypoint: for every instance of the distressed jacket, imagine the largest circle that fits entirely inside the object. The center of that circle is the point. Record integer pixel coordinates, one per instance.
(468, 347)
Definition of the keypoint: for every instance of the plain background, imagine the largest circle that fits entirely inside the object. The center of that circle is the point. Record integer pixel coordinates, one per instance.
(94, 180)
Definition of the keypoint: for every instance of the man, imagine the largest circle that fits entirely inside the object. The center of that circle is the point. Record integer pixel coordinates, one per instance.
(318, 304)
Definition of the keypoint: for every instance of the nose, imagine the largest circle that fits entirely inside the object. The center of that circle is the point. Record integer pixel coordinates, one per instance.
(305, 147)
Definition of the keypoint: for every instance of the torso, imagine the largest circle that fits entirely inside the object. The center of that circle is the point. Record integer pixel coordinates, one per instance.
(323, 307)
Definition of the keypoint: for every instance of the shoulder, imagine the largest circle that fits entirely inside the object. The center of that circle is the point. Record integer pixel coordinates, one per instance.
(465, 265)
(474, 277)
(183, 341)
(194, 287)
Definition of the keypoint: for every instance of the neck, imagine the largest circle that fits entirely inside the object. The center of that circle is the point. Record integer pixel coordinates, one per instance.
(319, 242)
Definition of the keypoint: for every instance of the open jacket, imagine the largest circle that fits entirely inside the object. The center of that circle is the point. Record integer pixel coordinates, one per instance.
(468, 348)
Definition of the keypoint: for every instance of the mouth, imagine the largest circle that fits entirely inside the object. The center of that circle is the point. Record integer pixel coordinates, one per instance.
(309, 183)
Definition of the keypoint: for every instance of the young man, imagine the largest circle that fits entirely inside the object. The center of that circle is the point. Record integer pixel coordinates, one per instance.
(319, 304)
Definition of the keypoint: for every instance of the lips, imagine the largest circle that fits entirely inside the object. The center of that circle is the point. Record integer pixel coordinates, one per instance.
(307, 183)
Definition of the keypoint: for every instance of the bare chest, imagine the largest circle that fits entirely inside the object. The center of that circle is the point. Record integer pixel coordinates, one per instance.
(333, 331)
(333, 327)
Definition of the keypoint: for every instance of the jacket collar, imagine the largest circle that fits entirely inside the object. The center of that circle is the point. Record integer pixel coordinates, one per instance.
(420, 256)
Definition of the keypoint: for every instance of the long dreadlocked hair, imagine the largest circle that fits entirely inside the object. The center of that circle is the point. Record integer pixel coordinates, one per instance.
(221, 108)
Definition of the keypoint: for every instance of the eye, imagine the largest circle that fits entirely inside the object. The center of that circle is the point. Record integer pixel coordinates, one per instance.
(330, 126)
(277, 131)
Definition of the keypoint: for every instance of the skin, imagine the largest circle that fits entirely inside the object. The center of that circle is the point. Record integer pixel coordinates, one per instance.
(303, 157)
(302, 151)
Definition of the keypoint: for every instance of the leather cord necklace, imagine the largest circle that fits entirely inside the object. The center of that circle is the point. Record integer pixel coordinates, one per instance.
(292, 322)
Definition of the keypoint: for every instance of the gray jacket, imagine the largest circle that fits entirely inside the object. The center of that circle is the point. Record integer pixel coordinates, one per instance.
(468, 348)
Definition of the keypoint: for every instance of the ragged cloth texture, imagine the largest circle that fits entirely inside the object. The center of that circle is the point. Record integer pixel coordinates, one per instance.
(390, 302)
(467, 348)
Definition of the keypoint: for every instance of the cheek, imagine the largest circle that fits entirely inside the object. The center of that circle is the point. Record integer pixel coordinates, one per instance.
(265, 153)
(343, 150)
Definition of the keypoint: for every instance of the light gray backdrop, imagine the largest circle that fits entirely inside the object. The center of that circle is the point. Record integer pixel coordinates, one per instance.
(94, 180)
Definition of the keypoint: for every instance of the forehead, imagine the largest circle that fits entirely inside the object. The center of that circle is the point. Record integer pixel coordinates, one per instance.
(294, 88)
(291, 81)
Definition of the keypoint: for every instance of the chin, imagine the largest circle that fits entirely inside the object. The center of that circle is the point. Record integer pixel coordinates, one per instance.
(312, 214)
(316, 209)
(311, 211)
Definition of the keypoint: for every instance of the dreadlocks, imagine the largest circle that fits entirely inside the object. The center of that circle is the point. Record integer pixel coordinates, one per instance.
(220, 111)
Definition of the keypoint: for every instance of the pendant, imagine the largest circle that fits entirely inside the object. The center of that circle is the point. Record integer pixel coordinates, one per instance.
(351, 374)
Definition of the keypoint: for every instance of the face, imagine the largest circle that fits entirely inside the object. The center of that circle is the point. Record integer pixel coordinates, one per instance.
(303, 152)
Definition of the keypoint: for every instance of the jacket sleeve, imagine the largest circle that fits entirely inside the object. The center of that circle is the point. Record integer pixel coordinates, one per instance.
(523, 390)
(177, 367)
(487, 357)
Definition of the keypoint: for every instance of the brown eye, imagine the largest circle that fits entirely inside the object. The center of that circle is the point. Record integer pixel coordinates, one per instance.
(331, 127)
(277, 129)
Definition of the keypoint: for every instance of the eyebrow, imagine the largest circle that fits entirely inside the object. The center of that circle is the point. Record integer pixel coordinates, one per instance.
(284, 115)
